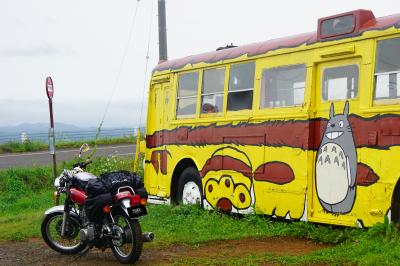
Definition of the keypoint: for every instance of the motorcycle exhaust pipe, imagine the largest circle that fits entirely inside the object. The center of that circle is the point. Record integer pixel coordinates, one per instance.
(148, 237)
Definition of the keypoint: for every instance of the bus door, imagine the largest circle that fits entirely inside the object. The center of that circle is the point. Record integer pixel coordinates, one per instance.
(157, 158)
(335, 156)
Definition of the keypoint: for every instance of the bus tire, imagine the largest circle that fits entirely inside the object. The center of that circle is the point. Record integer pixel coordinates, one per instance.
(395, 207)
(189, 189)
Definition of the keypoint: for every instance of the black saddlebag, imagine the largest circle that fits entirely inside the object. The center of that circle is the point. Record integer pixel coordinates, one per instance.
(115, 180)
(101, 190)
(95, 187)
(94, 207)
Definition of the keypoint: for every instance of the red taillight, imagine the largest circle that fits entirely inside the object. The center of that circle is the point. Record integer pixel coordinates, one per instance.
(135, 200)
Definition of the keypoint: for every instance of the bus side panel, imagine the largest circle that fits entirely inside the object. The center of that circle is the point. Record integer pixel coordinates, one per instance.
(157, 174)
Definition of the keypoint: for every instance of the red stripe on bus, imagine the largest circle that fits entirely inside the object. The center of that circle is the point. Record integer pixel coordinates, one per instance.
(379, 132)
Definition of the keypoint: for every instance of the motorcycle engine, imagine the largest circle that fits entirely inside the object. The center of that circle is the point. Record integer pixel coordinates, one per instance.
(87, 234)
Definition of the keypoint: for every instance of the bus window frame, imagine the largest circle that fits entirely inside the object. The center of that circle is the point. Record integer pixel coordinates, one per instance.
(282, 67)
(285, 60)
(382, 105)
(242, 112)
(222, 113)
(337, 64)
(176, 86)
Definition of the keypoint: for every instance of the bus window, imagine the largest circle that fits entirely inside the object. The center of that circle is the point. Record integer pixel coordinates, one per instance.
(340, 83)
(283, 86)
(387, 69)
(212, 94)
(187, 95)
(241, 85)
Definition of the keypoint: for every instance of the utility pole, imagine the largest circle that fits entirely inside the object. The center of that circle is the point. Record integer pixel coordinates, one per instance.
(162, 32)
(50, 93)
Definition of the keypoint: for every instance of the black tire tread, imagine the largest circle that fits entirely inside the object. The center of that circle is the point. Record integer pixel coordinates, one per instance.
(46, 239)
(137, 250)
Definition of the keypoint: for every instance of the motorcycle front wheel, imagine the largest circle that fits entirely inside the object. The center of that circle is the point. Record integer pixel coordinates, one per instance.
(51, 233)
(127, 245)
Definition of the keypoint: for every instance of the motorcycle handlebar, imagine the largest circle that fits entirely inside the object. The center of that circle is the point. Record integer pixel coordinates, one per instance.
(82, 164)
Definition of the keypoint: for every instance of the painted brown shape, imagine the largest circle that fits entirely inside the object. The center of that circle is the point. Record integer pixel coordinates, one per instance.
(224, 205)
(219, 162)
(154, 161)
(275, 172)
(160, 163)
(365, 175)
(163, 161)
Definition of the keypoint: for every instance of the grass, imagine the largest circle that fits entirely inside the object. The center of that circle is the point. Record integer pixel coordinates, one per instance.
(31, 146)
(176, 225)
(26, 193)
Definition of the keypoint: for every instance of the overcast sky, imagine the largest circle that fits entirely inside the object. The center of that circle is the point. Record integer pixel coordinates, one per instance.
(81, 43)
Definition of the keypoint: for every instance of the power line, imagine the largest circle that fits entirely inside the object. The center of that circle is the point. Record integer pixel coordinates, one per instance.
(147, 63)
(117, 78)
(122, 62)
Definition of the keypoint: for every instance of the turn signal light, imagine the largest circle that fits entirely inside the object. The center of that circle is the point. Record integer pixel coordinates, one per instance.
(107, 209)
(55, 194)
(143, 201)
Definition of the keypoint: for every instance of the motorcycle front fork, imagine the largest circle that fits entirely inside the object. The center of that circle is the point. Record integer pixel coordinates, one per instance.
(67, 209)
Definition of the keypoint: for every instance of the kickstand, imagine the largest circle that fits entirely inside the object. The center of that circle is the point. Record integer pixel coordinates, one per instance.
(86, 250)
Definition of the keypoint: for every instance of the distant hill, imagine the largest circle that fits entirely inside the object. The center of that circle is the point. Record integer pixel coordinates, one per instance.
(41, 128)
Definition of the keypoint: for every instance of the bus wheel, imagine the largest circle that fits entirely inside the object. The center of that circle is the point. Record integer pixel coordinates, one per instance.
(395, 208)
(189, 187)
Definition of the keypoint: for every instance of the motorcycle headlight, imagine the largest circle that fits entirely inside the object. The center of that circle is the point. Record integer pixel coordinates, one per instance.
(57, 182)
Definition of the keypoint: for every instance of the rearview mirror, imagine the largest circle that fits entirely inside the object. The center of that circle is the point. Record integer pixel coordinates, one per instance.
(84, 148)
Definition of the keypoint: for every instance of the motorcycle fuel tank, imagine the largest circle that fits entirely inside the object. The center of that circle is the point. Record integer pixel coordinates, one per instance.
(77, 196)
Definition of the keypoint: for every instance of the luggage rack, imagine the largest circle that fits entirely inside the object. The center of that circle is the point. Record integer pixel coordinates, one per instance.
(126, 187)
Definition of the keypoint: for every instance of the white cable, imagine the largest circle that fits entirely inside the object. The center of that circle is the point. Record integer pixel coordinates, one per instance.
(122, 62)
(116, 79)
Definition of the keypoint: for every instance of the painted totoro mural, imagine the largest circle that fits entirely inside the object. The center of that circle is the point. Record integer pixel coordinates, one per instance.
(336, 164)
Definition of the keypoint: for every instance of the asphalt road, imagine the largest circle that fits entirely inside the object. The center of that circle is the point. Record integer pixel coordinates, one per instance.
(44, 158)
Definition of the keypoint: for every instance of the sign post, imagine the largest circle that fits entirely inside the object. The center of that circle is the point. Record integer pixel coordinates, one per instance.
(52, 148)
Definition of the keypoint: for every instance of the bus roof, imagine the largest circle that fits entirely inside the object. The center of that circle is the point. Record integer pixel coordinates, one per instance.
(275, 44)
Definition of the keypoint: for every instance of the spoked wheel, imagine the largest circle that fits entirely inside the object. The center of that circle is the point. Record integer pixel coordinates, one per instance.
(51, 232)
(127, 244)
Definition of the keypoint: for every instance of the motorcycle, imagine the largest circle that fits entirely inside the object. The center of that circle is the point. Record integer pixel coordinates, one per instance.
(67, 229)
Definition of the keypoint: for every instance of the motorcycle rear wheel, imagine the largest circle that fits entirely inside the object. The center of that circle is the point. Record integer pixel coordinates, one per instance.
(129, 248)
(51, 233)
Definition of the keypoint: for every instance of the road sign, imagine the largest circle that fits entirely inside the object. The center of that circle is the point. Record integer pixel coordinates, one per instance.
(49, 88)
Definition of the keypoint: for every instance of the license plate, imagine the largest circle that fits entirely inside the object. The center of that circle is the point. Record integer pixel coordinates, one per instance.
(137, 211)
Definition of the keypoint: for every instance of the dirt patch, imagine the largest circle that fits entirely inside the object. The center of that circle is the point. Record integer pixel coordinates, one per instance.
(36, 252)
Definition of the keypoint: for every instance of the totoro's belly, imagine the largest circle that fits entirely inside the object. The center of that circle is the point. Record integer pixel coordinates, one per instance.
(332, 174)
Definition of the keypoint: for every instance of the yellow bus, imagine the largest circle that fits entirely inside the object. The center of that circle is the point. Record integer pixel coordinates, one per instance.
(305, 127)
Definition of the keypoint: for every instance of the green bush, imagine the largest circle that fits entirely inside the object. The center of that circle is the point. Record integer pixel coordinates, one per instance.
(22, 147)
(31, 146)
(19, 183)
